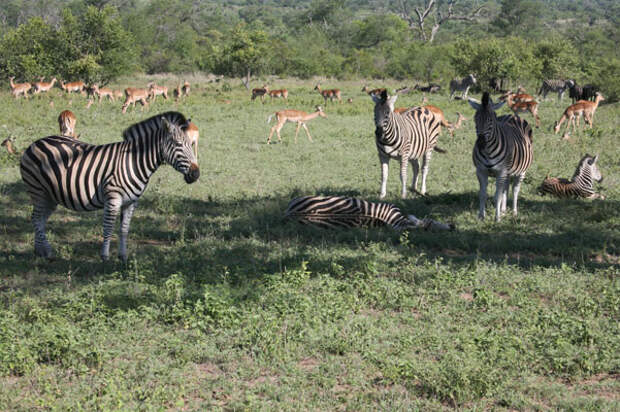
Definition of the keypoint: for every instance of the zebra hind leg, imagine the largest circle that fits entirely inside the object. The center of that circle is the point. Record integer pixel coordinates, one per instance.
(425, 164)
(40, 214)
(126, 214)
(415, 166)
(110, 211)
(516, 186)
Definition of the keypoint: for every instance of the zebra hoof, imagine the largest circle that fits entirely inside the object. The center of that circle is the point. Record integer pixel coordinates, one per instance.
(123, 258)
(44, 251)
(105, 258)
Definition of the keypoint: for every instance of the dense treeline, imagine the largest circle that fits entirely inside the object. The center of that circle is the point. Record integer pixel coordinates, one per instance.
(519, 40)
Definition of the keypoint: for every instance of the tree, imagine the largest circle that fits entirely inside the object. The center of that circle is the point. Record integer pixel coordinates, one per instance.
(245, 54)
(438, 13)
(520, 17)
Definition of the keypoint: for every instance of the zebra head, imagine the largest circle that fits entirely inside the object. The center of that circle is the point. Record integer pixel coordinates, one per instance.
(485, 117)
(384, 108)
(588, 166)
(177, 150)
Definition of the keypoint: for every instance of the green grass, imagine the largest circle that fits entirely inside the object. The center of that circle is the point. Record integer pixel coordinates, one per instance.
(225, 304)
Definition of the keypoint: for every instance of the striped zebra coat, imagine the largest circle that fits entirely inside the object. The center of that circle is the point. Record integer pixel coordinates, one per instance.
(348, 212)
(406, 136)
(84, 177)
(503, 149)
(558, 86)
(580, 186)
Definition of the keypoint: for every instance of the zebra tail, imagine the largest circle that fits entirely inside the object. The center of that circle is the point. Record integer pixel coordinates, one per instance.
(439, 149)
(269, 118)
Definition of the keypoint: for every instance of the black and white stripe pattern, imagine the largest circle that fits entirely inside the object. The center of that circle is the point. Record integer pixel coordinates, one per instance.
(581, 185)
(83, 177)
(558, 86)
(503, 149)
(462, 85)
(407, 136)
(348, 212)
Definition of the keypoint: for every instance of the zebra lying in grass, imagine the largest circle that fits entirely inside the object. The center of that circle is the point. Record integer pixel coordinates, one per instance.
(348, 212)
(581, 185)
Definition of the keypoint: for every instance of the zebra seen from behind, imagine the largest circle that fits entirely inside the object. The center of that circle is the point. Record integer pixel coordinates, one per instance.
(406, 136)
(558, 86)
(581, 185)
(462, 85)
(348, 212)
(84, 177)
(503, 149)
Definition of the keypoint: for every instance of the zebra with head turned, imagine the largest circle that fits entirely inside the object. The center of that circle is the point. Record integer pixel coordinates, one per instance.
(407, 136)
(84, 177)
(581, 185)
(503, 149)
(348, 212)
(462, 85)
(558, 86)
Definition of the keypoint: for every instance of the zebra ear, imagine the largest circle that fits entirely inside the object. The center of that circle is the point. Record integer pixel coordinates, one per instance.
(474, 103)
(391, 101)
(498, 105)
(593, 160)
(165, 123)
(375, 98)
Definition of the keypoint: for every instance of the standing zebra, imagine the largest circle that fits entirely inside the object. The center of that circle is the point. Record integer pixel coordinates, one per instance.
(558, 86)
(462, 85)
(503, 149)
(83, 177)
(581, 185)
(407, 136)
(348, 212)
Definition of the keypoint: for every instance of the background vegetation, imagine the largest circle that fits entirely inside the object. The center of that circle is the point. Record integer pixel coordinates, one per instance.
(520, 40)
(225, 305)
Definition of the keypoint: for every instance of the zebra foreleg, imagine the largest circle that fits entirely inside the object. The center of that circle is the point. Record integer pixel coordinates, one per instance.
(110, 210)
(404, 162)
(483, 180)
(126, 214)
(516, 186)
(384, 160)
(40, 215)
(500, 191)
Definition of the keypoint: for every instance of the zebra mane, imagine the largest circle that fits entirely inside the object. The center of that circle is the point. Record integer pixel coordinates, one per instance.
(154, 123)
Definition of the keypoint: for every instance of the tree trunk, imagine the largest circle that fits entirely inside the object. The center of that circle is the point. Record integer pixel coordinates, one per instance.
(246, 80)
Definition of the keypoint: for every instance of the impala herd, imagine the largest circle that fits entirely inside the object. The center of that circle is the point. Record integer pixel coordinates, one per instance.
(518, 102)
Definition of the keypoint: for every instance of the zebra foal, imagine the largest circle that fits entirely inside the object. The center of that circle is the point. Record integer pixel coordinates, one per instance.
(406, 136)
(581, 185)
(348, 212)
(84, 177)
(503, 149)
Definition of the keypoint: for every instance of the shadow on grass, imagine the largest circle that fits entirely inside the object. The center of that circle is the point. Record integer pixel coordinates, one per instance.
(209, 241)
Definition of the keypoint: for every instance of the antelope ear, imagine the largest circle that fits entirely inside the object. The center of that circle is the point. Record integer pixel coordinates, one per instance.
(474, 103)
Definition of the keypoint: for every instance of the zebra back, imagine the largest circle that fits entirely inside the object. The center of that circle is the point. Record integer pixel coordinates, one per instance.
(345, 212)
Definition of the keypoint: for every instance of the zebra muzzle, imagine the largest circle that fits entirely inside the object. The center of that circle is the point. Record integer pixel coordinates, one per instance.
(192, 174)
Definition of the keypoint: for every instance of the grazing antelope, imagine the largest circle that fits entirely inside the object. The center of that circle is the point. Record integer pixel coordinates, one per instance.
(19, 88)
(522, 107)
(518, 97)
(155, 90)
(185, 89)
(78, 87)
(456, 125)
(582, 107)
(102, 92)
(260, 92)
(297, 116)
(133, 95)
(8, 143)
(66, 123)
(177, 93)
(42, 86)
(90, 103)
(330, 94)
(192, 135)
(372, 92)
(283, 93)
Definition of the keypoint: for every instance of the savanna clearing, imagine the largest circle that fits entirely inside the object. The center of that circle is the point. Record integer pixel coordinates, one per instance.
(226, 305)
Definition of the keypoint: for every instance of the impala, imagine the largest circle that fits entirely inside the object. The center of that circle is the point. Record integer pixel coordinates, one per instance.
(42, 86)
(102, 92)
(436, 111)
(19, 88)
(155, 90)
(518, 97)
(177, 93)
(192, 135)
(133, 95)
(522, 107)
(283, 93)
(260, 92)
(8, 143)
(456, 125)
(372, 92)
(295, 116)
(330, 94)
(66, 123)
(185, 89)
(78, 87)
(582, 107)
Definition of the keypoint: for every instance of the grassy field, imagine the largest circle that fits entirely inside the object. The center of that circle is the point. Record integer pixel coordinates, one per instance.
(226, 305)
